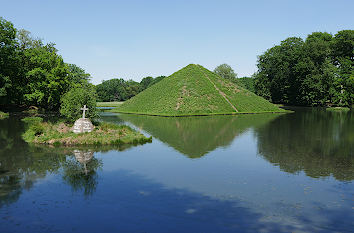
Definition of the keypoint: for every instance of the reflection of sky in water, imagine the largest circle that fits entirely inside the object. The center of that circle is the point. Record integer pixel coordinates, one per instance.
(155, 188)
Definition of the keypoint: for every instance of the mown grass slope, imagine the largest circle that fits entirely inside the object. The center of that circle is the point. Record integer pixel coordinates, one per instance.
(195, 90)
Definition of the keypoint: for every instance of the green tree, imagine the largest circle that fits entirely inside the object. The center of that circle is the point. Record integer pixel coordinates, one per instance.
(316, 71)
(112, 90)
(32, 73)
(153, 81)
(7, 57)
(145, 82)
(47, 77)
(75, 99)
(343, 58)
(77, 76)
(276, 76)
(225, 71)
(247, 82)
(121, 90)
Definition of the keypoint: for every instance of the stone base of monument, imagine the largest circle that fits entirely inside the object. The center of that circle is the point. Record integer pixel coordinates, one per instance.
(82, 125)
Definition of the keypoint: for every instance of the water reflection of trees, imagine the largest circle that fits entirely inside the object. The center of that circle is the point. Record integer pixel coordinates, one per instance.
(196, 136)
(21, 164)
(81, 172)
(317, 142)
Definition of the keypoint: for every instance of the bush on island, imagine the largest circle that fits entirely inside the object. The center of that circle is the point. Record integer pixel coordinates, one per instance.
(75, 99)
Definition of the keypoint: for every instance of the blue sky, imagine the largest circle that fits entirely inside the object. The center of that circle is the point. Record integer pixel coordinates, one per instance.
(133, 39)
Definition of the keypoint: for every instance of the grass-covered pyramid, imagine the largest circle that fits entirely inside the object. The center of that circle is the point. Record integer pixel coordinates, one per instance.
(195, 90)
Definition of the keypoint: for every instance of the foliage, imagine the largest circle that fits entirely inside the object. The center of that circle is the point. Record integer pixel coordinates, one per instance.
(3, 115)
(338, 109)
(31, 72)
(60, 133)
(7, 56)
(117, 90)
(225, 71)
(32, 120)
(195, 90)
(109, 104)
(247, 82)
(75, 99)
(121, 90)
(317, 71)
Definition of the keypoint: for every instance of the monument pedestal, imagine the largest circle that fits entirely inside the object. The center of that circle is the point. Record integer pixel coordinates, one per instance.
(82, 125)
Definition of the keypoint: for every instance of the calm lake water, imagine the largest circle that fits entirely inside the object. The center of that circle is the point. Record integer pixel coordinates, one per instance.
(247, 173)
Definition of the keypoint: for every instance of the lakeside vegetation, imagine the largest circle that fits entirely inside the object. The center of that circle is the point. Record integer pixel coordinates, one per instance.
(317, 71)
(195, 90)
(116, 90)
(33, 73)
(3, 115)
(38, 131)
(338, 109)
(109, 104)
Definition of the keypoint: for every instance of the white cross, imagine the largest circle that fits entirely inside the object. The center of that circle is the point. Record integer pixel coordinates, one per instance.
(84, 109)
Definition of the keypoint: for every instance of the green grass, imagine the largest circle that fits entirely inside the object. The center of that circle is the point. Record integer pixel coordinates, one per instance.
(60, 133)
(3, 115)
(195, 90)
(335, 109)
(109, 104)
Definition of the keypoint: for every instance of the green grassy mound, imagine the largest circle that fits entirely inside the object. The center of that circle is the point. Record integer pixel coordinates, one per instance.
(60, 134)
(195, 90)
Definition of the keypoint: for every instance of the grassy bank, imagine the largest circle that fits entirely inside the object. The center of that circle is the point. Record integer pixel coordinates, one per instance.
(3, 115)
(340, 109)
(60, 133)
(109, 104)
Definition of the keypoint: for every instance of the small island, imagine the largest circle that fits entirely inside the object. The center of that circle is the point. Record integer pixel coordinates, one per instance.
(61, 133)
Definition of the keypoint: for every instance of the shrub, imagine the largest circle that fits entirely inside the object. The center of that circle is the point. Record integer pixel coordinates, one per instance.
(75, 99)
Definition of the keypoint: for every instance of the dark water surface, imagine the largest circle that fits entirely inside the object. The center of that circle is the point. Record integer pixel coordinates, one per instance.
(247, 173)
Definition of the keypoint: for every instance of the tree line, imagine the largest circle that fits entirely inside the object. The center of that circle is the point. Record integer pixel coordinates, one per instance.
(317, 71)
(32, 73)
(121, 90)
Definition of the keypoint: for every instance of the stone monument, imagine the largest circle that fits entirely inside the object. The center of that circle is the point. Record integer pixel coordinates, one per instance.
(83, 125)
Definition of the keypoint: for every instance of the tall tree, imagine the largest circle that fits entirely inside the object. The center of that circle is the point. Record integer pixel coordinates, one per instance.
(225, 71)
(7, 57)
(343, 57)
(317, 71)
(31, 72)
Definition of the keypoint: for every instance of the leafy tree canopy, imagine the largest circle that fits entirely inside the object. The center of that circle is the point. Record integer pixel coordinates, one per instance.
(121, 90)
(75, 99)
(317, 71)
(32, 73)
(225, 71)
